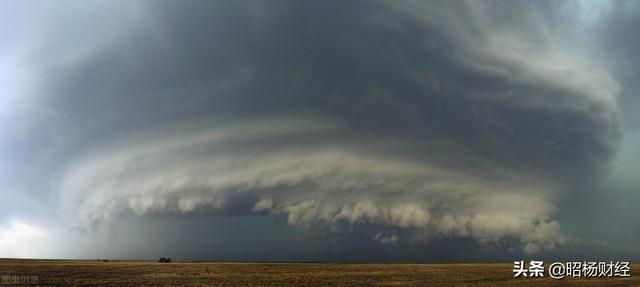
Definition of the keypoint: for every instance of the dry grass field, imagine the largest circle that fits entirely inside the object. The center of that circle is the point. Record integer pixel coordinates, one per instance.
(146, 273)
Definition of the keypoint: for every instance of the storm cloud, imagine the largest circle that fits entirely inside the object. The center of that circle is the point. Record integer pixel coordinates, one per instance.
(411, 120)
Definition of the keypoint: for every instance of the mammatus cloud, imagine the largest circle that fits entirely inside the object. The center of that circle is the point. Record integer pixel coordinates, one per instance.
(429, 119)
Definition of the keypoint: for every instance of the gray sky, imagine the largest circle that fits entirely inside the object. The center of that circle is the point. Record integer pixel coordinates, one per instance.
(319, 130)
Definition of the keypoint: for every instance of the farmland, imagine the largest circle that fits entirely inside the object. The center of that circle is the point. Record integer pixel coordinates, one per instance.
(148, 273)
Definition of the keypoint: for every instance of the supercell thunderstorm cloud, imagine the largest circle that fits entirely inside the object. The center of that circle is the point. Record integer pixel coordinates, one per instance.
(386, 124)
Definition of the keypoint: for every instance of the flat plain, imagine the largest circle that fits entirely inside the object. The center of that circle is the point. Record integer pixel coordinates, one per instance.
(147, 273)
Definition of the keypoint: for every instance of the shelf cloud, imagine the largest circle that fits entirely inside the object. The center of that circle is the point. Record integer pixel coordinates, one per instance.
(409, 121)
(442, 119)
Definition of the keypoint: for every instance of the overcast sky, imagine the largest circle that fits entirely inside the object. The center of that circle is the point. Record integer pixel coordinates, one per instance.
(320, 130)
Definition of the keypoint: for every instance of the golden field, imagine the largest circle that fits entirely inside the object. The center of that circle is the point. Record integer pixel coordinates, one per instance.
(147, 273)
